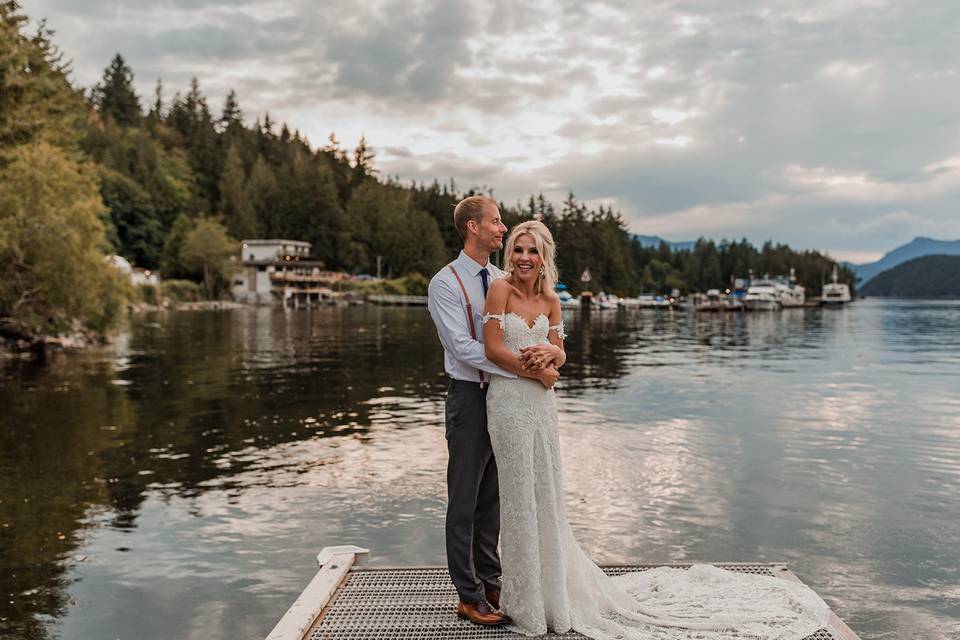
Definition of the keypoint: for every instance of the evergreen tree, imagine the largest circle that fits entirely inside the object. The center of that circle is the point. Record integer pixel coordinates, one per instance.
(338, 161)
(190, 117)
(231, 116)
(36, 99)
(363, 157)
(235, 206)
(262, 193)
(156, 111)
(114, 97)
(307, 206)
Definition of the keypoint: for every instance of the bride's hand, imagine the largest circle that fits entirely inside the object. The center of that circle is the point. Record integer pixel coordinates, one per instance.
(538, 356)
(549, 376)
(531, 365)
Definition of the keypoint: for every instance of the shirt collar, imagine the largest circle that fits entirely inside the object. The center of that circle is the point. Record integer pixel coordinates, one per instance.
(471, 266)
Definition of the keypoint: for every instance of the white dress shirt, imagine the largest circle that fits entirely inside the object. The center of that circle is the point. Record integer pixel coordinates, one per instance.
(462, 355)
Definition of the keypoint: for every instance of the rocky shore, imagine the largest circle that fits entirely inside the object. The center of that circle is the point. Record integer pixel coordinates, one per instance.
(19, 342)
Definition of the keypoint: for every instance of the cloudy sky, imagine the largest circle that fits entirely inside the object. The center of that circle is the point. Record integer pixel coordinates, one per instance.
(825, 125)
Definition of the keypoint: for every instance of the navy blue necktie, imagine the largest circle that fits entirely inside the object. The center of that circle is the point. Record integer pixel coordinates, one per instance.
(483, 278)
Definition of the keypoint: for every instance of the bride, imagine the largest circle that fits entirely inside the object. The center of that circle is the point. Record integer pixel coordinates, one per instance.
(548, 581)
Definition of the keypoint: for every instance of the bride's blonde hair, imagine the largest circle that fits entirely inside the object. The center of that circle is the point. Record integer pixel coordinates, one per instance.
(543, 241)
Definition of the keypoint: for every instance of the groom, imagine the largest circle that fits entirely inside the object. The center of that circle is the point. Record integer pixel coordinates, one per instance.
(456, 300)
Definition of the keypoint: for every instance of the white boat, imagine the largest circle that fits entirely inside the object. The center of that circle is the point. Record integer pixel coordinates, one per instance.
(784, 290)
(836, 293)
(608, 301)
(567, 301)
(791, 293)
(716, 300)
(762, 296)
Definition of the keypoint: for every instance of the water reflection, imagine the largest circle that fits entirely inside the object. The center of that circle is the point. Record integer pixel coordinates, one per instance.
(186, 475)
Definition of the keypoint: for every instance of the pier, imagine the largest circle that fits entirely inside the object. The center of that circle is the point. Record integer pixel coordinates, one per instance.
(395, 300)
(346, 600)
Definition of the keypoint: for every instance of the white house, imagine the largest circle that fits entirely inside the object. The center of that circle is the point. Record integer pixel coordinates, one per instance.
(281, 271)
(137, 275)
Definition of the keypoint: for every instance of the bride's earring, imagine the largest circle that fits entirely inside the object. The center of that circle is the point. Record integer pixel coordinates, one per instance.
(541, 271)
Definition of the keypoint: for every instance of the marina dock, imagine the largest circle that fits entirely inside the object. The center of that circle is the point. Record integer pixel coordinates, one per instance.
(346, 600)
(394, 300)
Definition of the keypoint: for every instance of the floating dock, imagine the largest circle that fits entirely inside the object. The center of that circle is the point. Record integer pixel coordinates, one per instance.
(346, 601)
(403, 301)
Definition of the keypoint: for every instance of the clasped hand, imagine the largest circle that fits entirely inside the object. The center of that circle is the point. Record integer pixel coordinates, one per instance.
(540, 360)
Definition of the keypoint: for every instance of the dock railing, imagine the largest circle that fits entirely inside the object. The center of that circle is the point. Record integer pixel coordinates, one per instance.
(334, 563)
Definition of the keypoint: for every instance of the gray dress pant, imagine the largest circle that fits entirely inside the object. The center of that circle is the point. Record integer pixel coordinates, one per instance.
(473, 494)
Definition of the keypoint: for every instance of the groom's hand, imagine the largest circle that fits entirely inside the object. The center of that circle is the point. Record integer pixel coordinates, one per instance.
(536, 357)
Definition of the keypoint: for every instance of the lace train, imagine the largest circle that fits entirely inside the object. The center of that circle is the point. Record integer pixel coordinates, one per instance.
(550, 584)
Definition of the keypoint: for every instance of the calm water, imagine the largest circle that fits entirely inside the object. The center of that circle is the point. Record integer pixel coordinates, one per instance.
(178, 483)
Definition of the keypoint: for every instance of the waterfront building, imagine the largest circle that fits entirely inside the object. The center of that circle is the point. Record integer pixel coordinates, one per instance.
(137, 276)
(282, 271)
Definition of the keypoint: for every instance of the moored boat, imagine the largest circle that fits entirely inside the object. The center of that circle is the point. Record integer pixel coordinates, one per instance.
(762, 296)
(836, 293)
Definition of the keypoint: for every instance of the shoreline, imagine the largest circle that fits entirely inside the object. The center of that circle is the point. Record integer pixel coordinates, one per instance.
(19, 343)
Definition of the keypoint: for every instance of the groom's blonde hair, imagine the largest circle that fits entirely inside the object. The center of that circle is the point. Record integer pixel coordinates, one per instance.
(543, 241)
(470, 208)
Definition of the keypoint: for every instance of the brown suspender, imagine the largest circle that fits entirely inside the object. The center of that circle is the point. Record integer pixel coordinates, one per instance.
(473, 330)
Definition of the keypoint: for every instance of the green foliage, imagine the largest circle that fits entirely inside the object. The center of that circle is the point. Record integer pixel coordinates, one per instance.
(53, 273)
(149, 293)
(138, 234)
(208, 250)
(385, 225)
(926, 277)
(306, 206)
(171, 262)
(396, 287)
(181, 290)
(163, 174)
(417, 284)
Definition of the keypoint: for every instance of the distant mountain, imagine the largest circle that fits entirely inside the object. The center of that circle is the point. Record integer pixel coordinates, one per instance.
(926, 277)
(914, 249)
(654, 241)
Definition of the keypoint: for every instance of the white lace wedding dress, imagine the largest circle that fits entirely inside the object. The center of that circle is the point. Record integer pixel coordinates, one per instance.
(550, 583)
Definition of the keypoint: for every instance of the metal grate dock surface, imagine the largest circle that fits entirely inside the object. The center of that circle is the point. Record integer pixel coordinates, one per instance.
(398, 604)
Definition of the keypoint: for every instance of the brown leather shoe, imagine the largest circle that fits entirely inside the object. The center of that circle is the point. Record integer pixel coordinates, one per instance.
(493, 597)
(481, 613)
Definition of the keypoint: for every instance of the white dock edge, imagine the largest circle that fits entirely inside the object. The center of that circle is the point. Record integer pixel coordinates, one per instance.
(334, 563)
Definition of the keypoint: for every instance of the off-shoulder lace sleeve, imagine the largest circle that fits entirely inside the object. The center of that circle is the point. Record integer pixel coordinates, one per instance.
(559, 329)
(499, 317)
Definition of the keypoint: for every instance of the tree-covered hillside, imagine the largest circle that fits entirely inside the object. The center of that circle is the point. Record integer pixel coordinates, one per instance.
(926, 277)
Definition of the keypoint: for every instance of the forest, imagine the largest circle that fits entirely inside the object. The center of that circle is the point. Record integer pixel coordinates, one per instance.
(172, 183)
